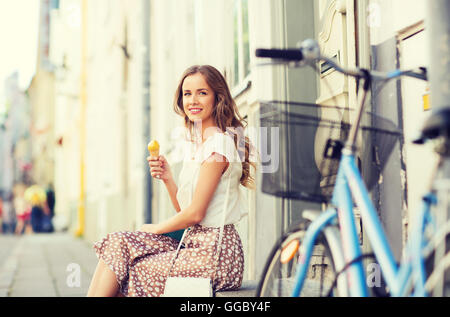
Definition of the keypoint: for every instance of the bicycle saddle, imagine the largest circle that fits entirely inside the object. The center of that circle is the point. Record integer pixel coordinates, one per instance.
(437, 125)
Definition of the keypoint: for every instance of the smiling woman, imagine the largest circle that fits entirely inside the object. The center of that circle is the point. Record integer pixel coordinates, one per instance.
(19, 34)
(207, 200)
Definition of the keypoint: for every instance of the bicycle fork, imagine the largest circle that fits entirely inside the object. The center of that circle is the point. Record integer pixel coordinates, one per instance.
(307, 246)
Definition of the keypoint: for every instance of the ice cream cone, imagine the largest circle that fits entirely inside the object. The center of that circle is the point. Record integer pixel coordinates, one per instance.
(153, 148)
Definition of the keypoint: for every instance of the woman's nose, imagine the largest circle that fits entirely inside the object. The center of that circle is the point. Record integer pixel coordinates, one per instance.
(194, 99)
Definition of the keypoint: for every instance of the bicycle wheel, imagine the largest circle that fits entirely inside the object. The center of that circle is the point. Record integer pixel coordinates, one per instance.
(438, 274)
(278, 277)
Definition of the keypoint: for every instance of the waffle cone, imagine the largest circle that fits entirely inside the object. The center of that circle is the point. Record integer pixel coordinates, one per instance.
(154, 153)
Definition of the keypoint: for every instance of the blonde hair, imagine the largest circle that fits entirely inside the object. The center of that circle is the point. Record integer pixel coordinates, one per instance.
(225, 113)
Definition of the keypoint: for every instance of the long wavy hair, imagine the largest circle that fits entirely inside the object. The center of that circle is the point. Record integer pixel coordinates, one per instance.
(225, 113)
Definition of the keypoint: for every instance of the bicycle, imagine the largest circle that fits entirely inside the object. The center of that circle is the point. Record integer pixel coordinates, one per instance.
(436, 131)
(331, 234)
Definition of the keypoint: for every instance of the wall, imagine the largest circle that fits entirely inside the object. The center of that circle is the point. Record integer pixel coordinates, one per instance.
(115, 148)
(392, 25)
(66, 56)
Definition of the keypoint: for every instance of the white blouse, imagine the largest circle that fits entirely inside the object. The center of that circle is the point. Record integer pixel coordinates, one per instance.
(236, 208)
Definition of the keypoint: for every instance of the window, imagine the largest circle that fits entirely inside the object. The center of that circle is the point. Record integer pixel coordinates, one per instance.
(54, 4)
(241, 42)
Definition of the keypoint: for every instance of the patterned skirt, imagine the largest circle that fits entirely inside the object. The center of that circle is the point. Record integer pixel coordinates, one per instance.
(141, 260)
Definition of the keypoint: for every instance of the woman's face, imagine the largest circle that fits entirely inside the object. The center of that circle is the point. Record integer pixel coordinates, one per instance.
(198, 99)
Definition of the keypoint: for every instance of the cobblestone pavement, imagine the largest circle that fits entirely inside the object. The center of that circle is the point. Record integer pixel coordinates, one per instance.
(45, 265)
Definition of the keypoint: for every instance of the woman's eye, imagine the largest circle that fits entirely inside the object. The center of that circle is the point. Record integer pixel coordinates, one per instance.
(186, 94)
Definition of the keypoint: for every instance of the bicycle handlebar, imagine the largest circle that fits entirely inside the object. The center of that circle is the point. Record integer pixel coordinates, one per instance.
(284, 54)
(309, 52)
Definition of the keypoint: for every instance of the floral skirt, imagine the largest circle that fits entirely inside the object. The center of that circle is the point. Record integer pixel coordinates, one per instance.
(141, 260)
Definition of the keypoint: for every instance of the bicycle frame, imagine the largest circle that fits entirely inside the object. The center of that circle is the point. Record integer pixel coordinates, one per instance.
(349, 184)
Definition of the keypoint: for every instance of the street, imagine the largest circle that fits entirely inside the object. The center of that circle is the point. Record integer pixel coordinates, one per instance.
(45, 265)
(298, 94)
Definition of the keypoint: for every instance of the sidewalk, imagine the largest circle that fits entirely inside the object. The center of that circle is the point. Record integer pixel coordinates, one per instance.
(45, 265)
(56, 265)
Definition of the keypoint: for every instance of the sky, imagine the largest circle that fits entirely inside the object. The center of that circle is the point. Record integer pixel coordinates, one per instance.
(19, 36)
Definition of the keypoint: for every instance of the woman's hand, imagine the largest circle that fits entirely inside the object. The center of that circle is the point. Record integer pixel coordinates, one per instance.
(159, 168)
(150, 228)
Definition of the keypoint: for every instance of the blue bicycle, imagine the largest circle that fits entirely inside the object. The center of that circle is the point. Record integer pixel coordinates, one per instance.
(321, 255)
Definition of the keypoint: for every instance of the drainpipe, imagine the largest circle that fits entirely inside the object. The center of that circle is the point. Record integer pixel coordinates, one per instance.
(83, 102)
(438, 28)
(146, 109)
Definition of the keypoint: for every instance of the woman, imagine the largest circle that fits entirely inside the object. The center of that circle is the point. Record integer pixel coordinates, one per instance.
(23, 210)
(138, 263)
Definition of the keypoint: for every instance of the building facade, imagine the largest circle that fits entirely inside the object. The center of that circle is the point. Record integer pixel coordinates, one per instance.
(101, 153)
(126, 58)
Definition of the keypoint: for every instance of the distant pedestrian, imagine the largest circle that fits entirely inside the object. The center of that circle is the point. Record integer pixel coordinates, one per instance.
(8, 217)
(1, 212)
(40, 213)
(50, 193)
(22, 209)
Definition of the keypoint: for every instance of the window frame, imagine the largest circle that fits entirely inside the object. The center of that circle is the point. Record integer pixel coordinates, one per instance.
(240, 81)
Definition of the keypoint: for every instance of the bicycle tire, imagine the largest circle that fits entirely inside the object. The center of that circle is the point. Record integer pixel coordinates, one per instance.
(277, 279)
(431, 268)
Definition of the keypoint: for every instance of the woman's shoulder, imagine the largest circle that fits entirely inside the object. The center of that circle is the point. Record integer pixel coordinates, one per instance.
(221, 143)
(219, 136)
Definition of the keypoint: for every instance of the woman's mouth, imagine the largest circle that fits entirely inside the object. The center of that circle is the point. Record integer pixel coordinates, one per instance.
(195, 110)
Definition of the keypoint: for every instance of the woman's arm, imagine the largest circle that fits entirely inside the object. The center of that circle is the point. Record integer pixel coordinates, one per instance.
(209, 177)
(172, 188)
(160, 169)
